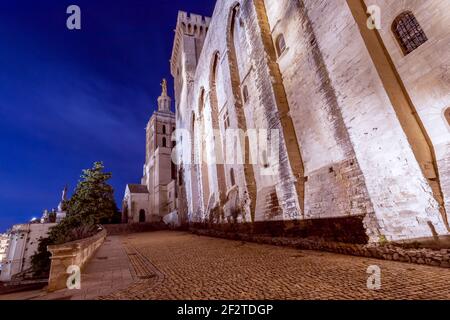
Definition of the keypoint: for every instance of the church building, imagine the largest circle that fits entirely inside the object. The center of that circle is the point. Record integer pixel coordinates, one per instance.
(154, 197)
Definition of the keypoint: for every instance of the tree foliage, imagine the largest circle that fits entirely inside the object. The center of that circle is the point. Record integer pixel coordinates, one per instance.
(91, 204)
(93, 199)
(40, 261)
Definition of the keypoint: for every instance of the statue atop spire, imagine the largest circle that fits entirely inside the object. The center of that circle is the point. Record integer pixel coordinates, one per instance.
(164, 88)
(64, 193)
(164, 99)
(63, 199)
(61, 212)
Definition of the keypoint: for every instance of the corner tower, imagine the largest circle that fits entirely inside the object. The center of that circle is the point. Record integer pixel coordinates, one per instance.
(190, 35)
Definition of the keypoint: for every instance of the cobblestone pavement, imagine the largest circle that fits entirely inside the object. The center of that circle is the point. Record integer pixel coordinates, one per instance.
(108, 271)
(177, 265)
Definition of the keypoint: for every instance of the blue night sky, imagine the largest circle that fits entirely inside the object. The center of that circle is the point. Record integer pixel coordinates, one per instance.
(69, 98)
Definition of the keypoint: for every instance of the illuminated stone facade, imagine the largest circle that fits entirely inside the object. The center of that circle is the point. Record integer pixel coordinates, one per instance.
(4, 241)
(23, 243)
(155, 197)
(362, 127)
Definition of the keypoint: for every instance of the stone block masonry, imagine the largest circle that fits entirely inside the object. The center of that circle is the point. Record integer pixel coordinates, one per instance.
(362, 136)
(205, 268)
(169, 265)
(75, 253)
(120, 229)
(423, 256)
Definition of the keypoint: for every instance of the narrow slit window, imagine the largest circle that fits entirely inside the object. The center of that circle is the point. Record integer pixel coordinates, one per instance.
(245, 94)
(226, 120)
(232, 178)
(280, 44)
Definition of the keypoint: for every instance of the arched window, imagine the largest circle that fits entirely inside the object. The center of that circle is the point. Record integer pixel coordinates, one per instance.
(164, 129)
(447, 115)
(232, 178)
(142, 216)
(280, 45)
(164, 142)
(408, 32)
(245, 94)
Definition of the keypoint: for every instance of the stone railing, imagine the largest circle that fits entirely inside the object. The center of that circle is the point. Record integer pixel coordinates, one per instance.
(75, 253)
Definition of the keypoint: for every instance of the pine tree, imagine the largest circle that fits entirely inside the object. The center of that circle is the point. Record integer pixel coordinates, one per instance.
(93, 199)
(91, 204)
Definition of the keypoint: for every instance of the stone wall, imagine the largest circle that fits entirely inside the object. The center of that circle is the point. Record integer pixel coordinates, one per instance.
(350, 144)
(393, 252)
(120, 229)
(348, 229)
(75, 253)
(425, 80)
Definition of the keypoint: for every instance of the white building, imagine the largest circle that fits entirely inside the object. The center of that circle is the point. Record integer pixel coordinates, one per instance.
(23, 244)
(4, 240)
(136, 204)
(358, 118)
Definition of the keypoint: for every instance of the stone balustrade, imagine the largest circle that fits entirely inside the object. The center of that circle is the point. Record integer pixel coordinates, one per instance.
(75, 253)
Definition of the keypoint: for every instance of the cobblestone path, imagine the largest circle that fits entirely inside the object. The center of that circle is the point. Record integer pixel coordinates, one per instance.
(177, 265)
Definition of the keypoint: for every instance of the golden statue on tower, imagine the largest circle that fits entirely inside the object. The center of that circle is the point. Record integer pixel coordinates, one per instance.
(164, 87)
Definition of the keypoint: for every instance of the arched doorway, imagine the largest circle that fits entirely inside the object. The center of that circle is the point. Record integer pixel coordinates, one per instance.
(142, 216)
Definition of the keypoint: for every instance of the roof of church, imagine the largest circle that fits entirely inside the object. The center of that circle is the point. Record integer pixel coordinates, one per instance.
(137, 188)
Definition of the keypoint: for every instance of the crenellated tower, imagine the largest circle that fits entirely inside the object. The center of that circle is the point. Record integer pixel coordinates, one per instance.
(190, 35)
